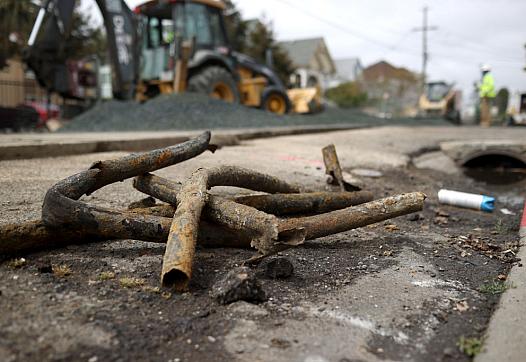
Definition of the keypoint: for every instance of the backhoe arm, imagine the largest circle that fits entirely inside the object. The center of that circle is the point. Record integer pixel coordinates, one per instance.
(46, 54)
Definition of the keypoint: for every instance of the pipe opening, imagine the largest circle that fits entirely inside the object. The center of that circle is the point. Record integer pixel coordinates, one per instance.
(176, 280)
(496, 168)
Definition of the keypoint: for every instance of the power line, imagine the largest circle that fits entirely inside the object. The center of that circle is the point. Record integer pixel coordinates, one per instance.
(386, 46)
(336, 25)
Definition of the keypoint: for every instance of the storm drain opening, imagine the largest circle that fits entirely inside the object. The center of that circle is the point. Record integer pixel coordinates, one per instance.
(498, 168)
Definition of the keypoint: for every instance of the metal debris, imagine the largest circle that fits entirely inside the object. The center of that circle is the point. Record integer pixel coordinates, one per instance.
(358, 216)
(61, 207)
(180, 248)
(193, 216)
(334, 170)
(276, 204)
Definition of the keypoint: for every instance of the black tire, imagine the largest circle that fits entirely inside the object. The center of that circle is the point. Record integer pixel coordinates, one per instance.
(275, 93)
(207, 81)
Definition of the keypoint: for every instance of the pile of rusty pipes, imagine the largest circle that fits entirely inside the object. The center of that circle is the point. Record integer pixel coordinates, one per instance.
(265, 222)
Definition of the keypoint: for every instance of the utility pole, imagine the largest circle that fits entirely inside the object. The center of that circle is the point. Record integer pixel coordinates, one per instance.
(425, 55)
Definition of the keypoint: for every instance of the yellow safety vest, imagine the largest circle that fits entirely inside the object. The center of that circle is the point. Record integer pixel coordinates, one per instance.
(487, 88)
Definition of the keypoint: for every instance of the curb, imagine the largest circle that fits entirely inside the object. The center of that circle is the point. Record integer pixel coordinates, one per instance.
(42, 147)
(506, 333)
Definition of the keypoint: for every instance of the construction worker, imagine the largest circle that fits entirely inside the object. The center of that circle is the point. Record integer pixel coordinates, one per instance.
(486, 95)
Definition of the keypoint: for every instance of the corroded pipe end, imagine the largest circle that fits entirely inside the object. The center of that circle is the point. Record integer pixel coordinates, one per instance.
(421, 195)
(175, 279)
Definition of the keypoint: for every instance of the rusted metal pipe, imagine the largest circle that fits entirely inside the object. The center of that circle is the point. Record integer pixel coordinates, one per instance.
(304, 203)
(266, 235)
(140, 224)
(140, 163)
(334, 170)
(345, 219)
(276, 204)
(180, 248)
(62, 208)
(33, 236)
(332, 165)
(158, 210)
(357, 216)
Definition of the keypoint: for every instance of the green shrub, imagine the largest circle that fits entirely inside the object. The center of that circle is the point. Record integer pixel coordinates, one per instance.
(347, 95)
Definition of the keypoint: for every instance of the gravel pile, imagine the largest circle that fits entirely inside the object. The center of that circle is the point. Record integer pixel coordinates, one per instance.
(194, 111)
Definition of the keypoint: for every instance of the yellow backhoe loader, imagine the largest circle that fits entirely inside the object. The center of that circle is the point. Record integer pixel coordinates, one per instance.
(163, 46)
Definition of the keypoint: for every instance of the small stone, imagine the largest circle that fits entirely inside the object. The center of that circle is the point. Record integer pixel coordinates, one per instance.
(415, 217)
(280, 343)
(239, 284)
(391, 227)
(279, 268)
(211, 339)
(448, 351)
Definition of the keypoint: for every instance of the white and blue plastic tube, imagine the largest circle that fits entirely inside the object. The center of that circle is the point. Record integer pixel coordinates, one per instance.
(469, 201)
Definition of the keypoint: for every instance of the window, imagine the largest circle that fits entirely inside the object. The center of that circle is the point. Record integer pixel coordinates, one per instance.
(154, 39)
(216, 26)
(168, 33)
(197, 24)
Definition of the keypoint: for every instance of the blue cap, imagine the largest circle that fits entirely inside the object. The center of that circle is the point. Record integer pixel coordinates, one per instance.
(487, 204)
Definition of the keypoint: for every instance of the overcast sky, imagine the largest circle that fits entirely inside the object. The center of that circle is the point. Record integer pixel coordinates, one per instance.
(470, 32)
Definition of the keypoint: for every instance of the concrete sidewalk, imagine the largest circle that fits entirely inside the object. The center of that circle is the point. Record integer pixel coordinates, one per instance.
(36, 145)
(506, 333)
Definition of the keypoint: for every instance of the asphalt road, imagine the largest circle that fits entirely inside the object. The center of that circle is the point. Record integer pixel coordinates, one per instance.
(406, 292)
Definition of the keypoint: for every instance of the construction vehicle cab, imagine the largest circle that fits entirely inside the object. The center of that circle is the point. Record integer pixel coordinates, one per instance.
(188, 32)
(440, 99)
(193, 33)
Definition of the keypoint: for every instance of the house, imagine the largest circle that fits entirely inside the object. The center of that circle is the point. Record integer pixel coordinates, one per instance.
(312, 59)
(347, 70)
(395, 89)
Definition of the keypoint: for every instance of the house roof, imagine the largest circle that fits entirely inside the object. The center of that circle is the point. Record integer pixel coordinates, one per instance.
(301, 51)
(384, 70)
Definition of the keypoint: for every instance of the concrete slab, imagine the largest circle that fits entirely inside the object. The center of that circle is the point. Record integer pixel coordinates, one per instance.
(37, 145)
(506, 333)
(436, 161)
(463, 151)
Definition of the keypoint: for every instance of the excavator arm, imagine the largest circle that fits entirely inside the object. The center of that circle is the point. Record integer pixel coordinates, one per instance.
(46, 54)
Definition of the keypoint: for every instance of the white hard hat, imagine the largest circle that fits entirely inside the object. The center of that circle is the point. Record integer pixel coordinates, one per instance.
(485, 67)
